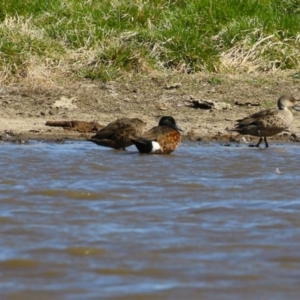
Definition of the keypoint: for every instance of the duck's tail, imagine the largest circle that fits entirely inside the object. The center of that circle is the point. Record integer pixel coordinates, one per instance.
(146, 146)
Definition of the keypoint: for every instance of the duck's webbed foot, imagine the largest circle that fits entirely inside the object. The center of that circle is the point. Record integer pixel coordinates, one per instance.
(257, 145)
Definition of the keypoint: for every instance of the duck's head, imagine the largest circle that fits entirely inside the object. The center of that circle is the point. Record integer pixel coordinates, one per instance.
(169, 121)
(288, 101)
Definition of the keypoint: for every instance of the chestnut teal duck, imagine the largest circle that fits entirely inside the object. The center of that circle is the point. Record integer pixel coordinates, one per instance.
(161, 139)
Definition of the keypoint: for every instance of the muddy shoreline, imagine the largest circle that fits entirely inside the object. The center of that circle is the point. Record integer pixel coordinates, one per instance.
(27, 105)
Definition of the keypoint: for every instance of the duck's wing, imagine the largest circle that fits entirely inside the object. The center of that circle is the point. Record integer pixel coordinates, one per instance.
(257, 117)
(113, 127)
(156, 132)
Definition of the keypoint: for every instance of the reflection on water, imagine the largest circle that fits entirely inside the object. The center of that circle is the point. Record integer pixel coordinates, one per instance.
(79, 221)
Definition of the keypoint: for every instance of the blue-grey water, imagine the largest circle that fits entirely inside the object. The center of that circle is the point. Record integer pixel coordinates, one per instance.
(79, 221)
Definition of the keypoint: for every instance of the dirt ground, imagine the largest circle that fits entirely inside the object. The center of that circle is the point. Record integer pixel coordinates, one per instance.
(26, 106)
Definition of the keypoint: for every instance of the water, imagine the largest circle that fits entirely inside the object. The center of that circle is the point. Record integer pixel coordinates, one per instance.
(79, 221)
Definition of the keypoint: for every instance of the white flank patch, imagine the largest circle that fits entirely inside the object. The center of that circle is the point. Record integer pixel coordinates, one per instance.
(155, 146)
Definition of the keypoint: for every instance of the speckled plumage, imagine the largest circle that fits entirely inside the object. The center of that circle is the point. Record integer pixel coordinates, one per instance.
(166, 134)
(268, 122)
(118, 134)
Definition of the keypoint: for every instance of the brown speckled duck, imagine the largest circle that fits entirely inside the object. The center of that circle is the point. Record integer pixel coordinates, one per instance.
(161, 139)
(118, 134)
(268, 122)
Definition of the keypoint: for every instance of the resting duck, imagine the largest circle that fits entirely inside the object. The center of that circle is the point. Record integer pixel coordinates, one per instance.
(161, 139)
(118, 134)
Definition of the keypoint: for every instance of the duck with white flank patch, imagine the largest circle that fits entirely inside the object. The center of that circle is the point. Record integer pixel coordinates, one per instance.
(161, 139)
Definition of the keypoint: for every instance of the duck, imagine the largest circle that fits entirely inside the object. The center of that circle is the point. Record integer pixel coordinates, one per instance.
(118, 134)
(268, 122)
(161, 139)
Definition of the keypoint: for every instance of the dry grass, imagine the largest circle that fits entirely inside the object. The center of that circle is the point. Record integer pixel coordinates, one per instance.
(267, 54)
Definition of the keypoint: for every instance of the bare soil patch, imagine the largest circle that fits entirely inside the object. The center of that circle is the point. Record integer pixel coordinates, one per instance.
(26, 106)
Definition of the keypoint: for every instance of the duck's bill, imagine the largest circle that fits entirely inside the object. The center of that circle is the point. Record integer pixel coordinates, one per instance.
(180, 129)
(296, 107)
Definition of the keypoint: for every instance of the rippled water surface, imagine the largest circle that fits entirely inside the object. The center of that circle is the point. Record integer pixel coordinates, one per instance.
(79, 221)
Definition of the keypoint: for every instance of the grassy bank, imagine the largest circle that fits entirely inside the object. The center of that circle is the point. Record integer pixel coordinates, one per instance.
(100, 39)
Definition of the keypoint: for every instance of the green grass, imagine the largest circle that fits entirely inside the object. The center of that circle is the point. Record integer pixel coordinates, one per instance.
(101, 39)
